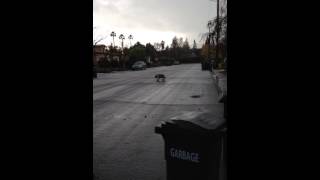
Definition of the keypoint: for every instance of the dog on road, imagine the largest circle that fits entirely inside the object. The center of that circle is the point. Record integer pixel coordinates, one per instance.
(160, 77)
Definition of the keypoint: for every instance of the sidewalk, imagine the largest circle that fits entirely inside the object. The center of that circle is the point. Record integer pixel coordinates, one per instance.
(220, 80)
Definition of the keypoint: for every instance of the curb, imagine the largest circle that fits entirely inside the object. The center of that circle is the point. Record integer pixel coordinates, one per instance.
(220, 80)
(220, 83)
(216, 83)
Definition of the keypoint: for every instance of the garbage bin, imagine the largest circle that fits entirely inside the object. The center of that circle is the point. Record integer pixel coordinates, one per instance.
(193, 147)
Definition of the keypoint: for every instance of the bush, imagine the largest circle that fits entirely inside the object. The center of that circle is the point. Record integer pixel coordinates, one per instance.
(190, 60)
(221, 66)
(104, 70)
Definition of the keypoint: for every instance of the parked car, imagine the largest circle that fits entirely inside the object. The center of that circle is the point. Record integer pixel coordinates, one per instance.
(139, 65)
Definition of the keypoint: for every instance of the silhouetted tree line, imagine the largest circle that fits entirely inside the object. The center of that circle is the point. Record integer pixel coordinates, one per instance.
(118, 58)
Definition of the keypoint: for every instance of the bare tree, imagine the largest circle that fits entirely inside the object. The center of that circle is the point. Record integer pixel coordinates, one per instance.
(186, 44)
(98, 39)
(95, 42)
(220, 26)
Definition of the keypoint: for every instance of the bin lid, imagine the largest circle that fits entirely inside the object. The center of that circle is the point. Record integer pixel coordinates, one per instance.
(192, 121)
(206, 120)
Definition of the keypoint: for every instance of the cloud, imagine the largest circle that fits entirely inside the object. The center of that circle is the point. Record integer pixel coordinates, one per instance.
(184, 17)
(105, 7)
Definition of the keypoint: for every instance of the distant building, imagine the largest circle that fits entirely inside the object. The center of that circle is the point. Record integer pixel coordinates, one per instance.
(99, 53)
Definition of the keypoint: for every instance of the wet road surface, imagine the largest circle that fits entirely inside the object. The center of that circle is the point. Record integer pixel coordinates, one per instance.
(128, 105)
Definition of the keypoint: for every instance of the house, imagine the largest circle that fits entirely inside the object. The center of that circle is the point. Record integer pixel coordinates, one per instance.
(99, 53)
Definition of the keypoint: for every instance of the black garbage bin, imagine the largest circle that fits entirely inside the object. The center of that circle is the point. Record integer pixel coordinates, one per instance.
(192, 147)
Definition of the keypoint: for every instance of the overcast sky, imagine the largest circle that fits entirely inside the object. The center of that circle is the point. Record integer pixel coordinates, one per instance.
(152, 20)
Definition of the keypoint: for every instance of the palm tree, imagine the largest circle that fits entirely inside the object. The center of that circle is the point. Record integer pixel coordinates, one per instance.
(113, 34)
(162, 45)
(122, 57)
(122, 38)
(130, 37)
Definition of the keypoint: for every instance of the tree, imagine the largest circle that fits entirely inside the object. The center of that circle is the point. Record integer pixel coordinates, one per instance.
(174, 43)
(185, 51)
(98, 39)
(104, 63)
(186, 45)
(113, 34)
(207, 52)
(137, 52)
(138, 44)
(157, 46)
(113, 50)
(212, 33)
(174, 46)
(122, 38)
(219, 26)
(150, 50)
(180, 42)
(167, 51)
(162, 45)
(125, 58)
(126, 51)
(194, 45)
(122, 57)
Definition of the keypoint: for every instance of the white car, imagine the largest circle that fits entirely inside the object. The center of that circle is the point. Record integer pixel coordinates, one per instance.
(139, 65)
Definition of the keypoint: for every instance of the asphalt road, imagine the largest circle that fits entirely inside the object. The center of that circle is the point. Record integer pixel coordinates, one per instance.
(128, 105)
